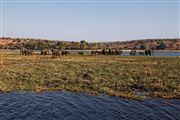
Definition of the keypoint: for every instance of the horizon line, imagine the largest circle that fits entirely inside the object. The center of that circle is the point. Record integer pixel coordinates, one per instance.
(86, 40)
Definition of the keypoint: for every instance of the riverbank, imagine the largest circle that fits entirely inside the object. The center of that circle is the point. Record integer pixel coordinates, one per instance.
(124, 76)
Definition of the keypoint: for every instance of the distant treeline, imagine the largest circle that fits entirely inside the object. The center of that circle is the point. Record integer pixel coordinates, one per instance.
(39, 44)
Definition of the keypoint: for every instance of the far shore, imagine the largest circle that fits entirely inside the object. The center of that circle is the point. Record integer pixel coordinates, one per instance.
(127, 50)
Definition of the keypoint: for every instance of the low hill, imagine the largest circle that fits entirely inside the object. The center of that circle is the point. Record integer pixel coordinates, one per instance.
(156, 44)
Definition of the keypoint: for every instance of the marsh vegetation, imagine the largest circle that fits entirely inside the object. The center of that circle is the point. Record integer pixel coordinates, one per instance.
(133, 77)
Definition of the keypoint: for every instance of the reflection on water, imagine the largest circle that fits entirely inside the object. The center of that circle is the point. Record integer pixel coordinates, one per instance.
(71, 106)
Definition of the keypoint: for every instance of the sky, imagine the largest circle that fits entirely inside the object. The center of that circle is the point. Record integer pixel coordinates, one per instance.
(93, 21)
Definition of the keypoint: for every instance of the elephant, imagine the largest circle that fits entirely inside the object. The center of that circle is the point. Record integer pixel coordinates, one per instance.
(44, 52)
(29, 52)
(65, 53)
(149, 52)
(118, 52)
(55, 53)
(132, 52)
(81, 53)
(141, 53)
(25, 51)
(94, 52)
(104, 52)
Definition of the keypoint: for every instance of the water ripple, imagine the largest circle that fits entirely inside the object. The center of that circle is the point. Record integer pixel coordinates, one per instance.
(68, 106)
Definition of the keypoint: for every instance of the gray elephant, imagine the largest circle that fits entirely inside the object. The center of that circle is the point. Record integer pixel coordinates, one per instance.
(44, 52)
(25, 51)
(55, 53)
(65, 53)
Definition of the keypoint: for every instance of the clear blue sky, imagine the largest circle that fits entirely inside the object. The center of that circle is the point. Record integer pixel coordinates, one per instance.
(91, 21)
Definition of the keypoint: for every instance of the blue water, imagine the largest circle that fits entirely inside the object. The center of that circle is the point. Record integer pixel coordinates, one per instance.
(167, 53)
(159, 54)
(74, 106)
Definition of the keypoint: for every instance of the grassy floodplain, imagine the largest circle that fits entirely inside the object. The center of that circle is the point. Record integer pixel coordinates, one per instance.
(124, 76)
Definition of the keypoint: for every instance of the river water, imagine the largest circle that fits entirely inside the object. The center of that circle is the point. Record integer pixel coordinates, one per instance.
(167, 53)
(159, 53)
(76, 106)
(88, 52)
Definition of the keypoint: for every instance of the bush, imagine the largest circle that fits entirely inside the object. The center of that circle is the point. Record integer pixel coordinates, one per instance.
(161, 46)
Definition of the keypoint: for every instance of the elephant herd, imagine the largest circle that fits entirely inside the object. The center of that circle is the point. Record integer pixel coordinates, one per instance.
(54, 52)
(107, 52)
(57, 53)
(147, 52)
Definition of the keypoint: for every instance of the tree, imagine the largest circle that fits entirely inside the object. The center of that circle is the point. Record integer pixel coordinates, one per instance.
(94, 46)
(60, 44)
(1, 46)
(41, 45)
(142, 46)
(161, 46)
(74, 45)
(83, 44)
(29, 45)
